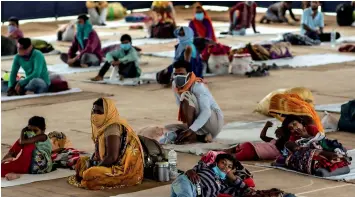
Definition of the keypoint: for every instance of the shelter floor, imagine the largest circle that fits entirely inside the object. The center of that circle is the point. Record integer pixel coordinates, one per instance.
(144, 106)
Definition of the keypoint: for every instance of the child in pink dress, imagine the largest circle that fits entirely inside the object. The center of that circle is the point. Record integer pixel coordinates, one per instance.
(267, 150)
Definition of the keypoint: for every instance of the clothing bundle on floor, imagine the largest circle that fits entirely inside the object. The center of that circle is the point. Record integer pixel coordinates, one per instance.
(63, 153)
(42, 45)
(162, 30)
(347, 48)
(58, 83)
(296, 39)
(136, 17)
(8, 46)
(116, 11)
(265, 51)
(306, 160)
(304, 93)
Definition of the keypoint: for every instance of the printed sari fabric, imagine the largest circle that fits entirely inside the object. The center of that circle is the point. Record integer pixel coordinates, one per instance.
(292, 104)
(307, 161)
(41, 156)
(301, 161)
(128, 170)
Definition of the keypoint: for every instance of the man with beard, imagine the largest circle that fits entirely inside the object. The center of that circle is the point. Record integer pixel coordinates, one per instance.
(312, 24)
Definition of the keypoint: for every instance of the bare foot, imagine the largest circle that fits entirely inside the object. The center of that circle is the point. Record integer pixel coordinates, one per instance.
(97, 78)
(208, 138)
(12, 176)
(84, 65)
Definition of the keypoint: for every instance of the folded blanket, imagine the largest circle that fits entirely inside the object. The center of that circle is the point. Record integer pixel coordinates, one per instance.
(347, 48)
(66, 158)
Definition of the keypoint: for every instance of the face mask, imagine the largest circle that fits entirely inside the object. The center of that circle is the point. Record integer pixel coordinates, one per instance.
(11, 28)
(80, 26)
(219, 173)
(98, 119)
(181, 80)
(199, 16)
(125, 46)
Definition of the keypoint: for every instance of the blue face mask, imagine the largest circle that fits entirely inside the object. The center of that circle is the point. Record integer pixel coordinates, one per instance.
(219, 173)
(125, 46)
(11, 28)
(199, 16)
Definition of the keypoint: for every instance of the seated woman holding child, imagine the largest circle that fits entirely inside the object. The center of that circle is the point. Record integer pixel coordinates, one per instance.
(118, 158)
(31, 154)
(163, 23)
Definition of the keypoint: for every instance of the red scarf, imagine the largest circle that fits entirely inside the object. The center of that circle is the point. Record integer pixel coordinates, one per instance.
(201, 29)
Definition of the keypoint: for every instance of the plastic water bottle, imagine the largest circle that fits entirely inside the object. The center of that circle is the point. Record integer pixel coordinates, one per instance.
(332, 38)
(172, 159)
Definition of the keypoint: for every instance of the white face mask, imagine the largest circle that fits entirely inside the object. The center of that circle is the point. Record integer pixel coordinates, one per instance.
(181, 80)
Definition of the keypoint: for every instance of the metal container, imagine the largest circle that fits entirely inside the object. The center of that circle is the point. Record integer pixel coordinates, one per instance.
(162, 171)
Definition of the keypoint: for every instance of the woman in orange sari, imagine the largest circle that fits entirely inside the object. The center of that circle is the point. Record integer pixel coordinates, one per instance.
(202, 24)
(118, 158)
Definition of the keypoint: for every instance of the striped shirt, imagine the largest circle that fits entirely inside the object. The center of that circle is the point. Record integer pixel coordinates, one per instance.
(211, 185)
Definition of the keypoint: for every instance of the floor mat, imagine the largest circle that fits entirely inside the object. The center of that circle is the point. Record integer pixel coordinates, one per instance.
(263, 30)
(142, 41)
(125, 82)
(5, 98)
(10, 57)
(231, 134)
(162, 191)
(116, 24)
(53, 37)
(63, 68)
(335, 108)
(30, 178)
(169, 54)
(345, 177)
(310, 60)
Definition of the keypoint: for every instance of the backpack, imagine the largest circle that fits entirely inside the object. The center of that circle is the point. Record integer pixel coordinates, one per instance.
(42, 45)
(347, 117)
(153, 152)
(163, 30)
(344, 14)
(164, 76)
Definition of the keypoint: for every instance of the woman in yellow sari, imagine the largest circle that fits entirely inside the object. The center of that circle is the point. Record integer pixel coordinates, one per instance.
(118, 158)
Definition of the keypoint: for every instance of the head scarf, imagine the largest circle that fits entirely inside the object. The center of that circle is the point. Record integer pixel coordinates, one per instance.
(99, 123)
(199, 26)
(184, 41)
(83, 32)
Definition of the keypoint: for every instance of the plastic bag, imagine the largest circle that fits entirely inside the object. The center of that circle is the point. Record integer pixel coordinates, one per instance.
(218, 64)
(240, 64)
(329, 122)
